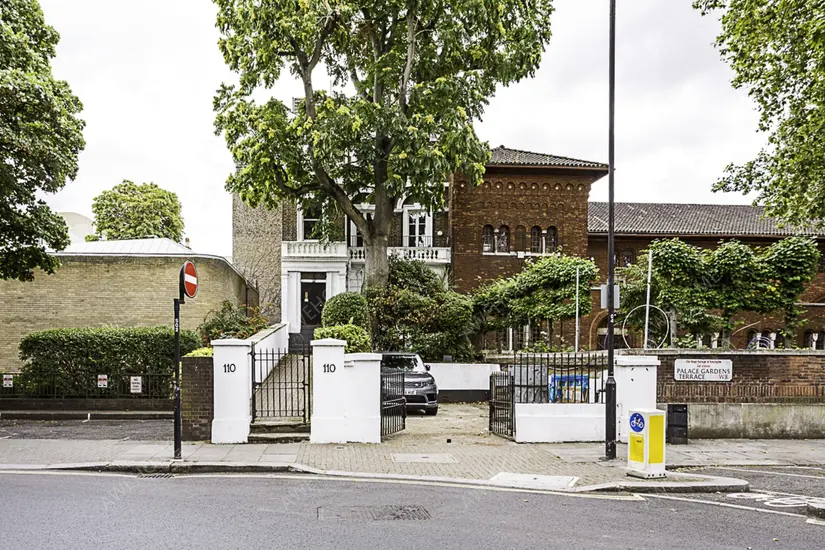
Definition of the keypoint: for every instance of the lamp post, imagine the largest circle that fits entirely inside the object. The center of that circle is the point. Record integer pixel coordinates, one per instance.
(610, 387)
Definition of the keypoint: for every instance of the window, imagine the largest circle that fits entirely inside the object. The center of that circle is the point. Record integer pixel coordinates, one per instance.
(503, 239)
(310, 216)
(418, 232)
(535, 239)
(521, 238)
(488, 244)
(628, 258)
(552, 238)
(821, 267)
(808, 342)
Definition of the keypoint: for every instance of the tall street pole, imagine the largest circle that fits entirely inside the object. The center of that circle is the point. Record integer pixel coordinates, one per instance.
(610, 389)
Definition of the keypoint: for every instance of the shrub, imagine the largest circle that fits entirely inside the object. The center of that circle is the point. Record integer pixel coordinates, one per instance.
(346, 308)
(357, 339)
(231, 321)
(71, 358)
(201, 352)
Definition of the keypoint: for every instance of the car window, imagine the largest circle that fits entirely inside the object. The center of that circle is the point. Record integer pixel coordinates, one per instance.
(399, 362)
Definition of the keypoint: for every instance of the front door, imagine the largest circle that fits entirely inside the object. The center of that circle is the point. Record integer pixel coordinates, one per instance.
(313, 298)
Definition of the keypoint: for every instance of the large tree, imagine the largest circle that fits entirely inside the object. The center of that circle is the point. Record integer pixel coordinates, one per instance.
(409, 78)
(132, 211)
(777, 51)
(40, 139)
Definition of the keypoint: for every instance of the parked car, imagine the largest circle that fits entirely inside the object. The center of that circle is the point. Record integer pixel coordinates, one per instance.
(420, 388)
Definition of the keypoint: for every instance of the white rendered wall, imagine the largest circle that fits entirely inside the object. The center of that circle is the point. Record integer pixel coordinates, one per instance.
(233, 391)
(559, 422)
(635, 388)
(463, 376)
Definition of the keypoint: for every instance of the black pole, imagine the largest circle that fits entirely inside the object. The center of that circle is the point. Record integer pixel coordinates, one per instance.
(178, 418)
(610, 389)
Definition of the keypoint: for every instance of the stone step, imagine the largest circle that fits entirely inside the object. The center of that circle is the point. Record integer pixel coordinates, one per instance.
(284, 437)
(278, 426)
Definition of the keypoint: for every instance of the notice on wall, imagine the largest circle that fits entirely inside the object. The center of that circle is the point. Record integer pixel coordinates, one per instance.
(8, 380)
(703, 370)
(136, 384)
(102, 380)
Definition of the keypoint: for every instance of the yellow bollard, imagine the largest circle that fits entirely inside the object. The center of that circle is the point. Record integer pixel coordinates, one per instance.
(646, 443)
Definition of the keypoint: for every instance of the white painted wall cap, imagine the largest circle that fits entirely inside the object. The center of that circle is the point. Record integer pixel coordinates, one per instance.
(637, 361)
(349, 357)
(229, 342)
(328, 342)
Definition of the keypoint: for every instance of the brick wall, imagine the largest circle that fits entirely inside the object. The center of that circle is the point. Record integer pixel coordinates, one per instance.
(125, 291)
(197, 398)
(758, 377)
(521, 196)
(256, 250)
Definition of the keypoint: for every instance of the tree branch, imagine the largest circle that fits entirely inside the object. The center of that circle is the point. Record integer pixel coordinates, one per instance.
(405, 78)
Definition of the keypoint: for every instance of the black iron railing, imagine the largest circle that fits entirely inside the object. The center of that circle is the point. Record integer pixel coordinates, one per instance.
(281, 383)
(393, 403)
(86, 386)
(558, 377)
(502, 403)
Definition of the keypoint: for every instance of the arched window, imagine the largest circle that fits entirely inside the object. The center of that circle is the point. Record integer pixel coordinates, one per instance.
(751, 339)
(503, 239)
(488, 239)
(820, 341)
(780, 340)
(552, 238)
(628, 258)
(521, 238)
(821, 267)
(535, 239)
(808, 340)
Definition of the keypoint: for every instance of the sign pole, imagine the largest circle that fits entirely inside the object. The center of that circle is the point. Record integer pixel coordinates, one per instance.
(577, 309)
(610, 385)
(647, 303)
(178, 417)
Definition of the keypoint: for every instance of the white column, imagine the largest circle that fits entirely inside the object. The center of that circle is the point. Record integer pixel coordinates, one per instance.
(635, 388)
(293, 299)
(814, 338)
(285, 297)
(346, 394)
(715, 342)
(233, 391)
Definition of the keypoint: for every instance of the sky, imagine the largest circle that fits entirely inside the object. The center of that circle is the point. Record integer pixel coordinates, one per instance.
(147, 71)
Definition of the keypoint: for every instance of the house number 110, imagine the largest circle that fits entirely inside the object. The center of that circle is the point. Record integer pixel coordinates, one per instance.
(329, 367)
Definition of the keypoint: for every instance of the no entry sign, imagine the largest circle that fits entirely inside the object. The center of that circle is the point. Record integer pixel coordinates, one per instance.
(189, 279)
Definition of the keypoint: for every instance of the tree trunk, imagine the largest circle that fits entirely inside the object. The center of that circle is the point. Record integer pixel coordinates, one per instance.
(376, 253)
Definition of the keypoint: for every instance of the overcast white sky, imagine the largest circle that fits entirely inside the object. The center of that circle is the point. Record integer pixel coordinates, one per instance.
(147, 71)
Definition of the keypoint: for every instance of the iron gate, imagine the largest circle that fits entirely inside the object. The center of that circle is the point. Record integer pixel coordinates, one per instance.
(281, 384)
(502, 403)
(393, 403)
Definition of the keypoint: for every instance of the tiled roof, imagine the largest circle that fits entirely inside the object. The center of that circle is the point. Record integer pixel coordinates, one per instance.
(501, 155)
(128, 247)
(689, 219)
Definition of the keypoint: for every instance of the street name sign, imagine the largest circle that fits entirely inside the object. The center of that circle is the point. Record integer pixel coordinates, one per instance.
(703, 370)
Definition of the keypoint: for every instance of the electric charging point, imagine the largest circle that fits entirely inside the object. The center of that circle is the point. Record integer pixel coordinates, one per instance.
(646, 443)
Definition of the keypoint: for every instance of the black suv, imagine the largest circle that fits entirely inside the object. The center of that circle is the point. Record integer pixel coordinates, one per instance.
(419, 385)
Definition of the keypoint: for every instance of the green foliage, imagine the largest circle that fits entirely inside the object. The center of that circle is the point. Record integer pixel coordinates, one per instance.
(777, 53)
(706, 288)
(346, 308)
(201, 352)
(132, 211)
(40, 139)
(409, 80)
(357, 339)
(415, 312)
(231, 321)
(543, 290)
(70, 359)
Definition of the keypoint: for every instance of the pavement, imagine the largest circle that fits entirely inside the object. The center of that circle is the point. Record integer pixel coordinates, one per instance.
(454, 447)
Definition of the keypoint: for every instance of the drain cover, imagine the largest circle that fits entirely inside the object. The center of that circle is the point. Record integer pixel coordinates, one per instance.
(155, 476)
(373, 513)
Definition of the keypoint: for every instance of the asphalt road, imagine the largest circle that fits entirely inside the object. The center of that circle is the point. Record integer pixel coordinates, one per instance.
(138, 430)
(65, 510)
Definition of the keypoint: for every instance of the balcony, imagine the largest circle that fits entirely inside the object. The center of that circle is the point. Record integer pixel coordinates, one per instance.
(313, 250)
(427, 254)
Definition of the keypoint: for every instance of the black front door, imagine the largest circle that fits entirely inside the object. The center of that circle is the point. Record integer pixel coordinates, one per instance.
(313, 297)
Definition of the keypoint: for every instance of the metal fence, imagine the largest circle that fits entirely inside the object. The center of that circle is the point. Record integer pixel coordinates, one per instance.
(87, 386)
(558, 377)
(502, 404)
(281, 384)
(393, 403)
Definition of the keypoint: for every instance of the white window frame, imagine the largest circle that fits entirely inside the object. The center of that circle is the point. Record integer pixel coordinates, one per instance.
(417, 210)
(300, 229)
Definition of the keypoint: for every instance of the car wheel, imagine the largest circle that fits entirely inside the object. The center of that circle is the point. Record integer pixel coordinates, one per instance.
(432, 412)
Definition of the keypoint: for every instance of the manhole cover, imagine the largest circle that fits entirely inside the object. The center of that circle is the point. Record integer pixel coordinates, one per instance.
(373, 513)
(155, 476)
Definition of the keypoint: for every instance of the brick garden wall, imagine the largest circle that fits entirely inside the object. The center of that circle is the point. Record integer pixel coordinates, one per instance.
(758, 377)
(197, 398)
(123, 291)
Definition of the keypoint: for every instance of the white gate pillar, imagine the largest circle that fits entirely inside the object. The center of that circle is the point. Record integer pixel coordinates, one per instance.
(346, 394)
(233, 391)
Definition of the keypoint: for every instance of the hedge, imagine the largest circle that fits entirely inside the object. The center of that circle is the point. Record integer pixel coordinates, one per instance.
(346, 308)
(357, 339)
(71, 358)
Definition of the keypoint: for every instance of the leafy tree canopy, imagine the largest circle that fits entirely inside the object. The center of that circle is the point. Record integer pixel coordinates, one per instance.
(409, 80)
(132, 211)
(777, 51)
(543, 290)
(706, 288)
(40, 139)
